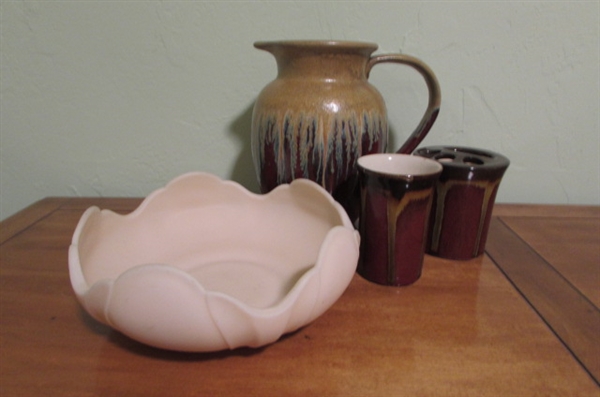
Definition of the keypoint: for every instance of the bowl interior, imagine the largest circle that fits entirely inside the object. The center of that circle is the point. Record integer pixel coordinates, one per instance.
(252, 248)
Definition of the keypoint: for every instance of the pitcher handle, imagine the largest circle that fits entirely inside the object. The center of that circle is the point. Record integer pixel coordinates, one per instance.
(435, 96)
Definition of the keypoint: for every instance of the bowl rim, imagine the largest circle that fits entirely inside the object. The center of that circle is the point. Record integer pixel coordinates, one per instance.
(81, 286)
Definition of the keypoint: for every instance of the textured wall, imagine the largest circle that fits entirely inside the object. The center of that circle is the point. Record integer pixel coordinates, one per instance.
(116, 98)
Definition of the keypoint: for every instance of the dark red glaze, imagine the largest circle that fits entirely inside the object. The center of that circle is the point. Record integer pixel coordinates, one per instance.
(417, 136)
(334, 166)
(463, 200)
(393, 226)
(321, 114)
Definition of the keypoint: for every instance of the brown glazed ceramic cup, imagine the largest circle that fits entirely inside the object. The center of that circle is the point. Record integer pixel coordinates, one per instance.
(463, 200)
(396, 194)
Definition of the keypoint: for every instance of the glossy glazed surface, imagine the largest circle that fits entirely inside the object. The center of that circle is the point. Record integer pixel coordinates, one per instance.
(464, 199)
(395, 198)
(321, 114)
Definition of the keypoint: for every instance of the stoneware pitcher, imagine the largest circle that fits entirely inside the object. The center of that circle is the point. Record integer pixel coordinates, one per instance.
(321, 114)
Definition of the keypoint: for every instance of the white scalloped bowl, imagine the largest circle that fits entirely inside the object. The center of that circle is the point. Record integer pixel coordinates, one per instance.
(205, 265)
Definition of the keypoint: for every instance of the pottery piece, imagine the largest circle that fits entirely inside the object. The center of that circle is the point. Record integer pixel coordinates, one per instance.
(395, 200)
(205, 265)
(464, 199)
(321, 114)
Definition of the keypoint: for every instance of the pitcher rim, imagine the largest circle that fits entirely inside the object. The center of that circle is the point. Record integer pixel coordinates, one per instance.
(341, 44)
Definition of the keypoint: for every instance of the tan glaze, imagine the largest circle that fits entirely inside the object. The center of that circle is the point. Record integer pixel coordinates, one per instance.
(489, 189)
(321, 114)
(395, 209)
(464, 199)
(395, 227)
(446, 335)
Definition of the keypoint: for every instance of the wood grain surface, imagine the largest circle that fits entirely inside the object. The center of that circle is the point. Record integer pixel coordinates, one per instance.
(465, 328)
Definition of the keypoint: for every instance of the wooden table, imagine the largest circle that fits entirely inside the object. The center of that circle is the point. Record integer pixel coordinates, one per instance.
(522, 320)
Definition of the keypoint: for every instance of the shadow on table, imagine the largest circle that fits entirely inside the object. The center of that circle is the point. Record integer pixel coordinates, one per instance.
(123, 342)
(120, 341)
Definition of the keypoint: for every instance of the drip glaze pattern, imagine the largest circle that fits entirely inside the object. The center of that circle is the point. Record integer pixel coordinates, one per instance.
(463, 200)
(321, 114)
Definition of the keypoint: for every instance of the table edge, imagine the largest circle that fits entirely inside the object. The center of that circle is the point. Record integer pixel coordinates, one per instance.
(20, 221)
(546, 210)
(573, 318)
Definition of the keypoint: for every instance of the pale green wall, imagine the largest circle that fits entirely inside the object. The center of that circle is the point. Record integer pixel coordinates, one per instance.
(117, 98)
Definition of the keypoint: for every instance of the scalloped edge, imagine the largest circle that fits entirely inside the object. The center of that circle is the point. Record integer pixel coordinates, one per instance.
(254, 315)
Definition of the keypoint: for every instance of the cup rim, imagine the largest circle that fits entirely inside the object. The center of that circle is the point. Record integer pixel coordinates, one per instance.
(412, 167)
